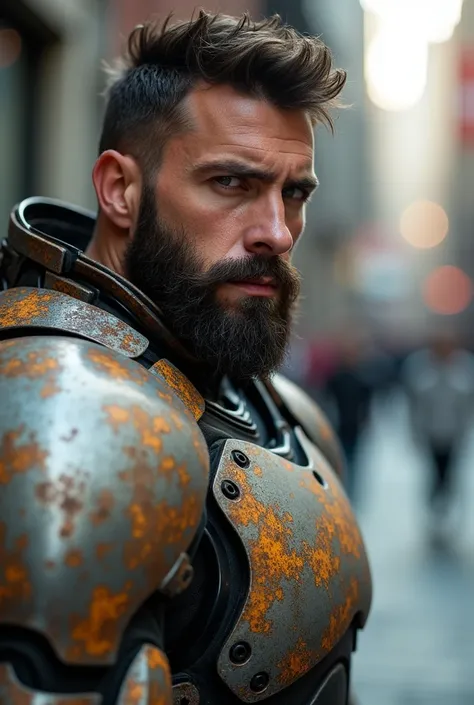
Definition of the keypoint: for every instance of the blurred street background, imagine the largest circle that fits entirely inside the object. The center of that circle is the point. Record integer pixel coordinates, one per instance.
(385, 338)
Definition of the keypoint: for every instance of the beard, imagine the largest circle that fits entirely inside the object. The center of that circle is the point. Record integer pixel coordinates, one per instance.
(244, 340)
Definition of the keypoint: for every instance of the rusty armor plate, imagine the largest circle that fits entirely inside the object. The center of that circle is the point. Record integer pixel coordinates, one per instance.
(103, 482)
(310, 576)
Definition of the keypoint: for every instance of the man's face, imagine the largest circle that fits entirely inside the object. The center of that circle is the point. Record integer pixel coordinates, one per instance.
(215, 231)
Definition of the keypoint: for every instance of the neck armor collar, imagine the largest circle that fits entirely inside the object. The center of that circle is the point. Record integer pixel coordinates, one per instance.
(46, 242)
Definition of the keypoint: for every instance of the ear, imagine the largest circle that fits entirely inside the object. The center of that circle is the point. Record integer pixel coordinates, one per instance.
(117, 183)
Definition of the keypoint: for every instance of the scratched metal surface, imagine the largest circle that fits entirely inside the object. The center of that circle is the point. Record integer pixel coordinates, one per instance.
(23, 307)
(103, 479)
(309, 571)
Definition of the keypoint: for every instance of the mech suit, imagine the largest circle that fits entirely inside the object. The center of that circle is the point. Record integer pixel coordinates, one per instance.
(157, 546)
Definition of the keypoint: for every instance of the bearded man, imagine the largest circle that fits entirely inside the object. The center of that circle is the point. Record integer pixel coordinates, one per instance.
(174, 523)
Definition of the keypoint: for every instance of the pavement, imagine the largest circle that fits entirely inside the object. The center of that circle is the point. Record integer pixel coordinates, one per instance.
(418, 646)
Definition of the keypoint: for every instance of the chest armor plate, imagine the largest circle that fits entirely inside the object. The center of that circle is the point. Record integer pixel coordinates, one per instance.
(309, 574)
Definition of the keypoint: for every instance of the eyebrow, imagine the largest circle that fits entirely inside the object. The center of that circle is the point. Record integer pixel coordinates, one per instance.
(236, 168)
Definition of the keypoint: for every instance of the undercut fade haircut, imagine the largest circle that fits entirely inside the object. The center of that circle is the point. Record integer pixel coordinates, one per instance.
(164, 61)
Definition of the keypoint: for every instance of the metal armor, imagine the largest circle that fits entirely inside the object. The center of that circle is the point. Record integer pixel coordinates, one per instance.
(160, 542)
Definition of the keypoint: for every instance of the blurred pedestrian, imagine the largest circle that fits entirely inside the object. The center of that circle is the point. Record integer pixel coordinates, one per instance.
(439, 382)
(349, 391)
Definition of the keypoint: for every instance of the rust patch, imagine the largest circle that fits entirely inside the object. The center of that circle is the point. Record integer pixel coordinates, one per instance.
(148, 427)
(271, 558)
(148, 681)
(154, 524)
(105, 504)
(102, 550)
(15, 585)
(74, 558)
(67, 494)
(115, 368)
(276, 558)
(296, 663)
(37, 364)
(341, 618)
(23, 311)
(17, 457)
(181, 385)
(96, 635)
(160, 681)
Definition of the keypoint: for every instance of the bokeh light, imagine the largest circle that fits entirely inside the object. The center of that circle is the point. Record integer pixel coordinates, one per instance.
(424, 224)
(447, 290)
(396, 80)
(10, 47)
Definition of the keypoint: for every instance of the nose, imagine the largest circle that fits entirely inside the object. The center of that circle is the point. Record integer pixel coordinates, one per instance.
(268, 234)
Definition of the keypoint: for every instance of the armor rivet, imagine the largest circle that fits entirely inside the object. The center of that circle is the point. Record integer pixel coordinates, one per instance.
(259, 682)
(240, 459)
(230, 490)
(240, 653)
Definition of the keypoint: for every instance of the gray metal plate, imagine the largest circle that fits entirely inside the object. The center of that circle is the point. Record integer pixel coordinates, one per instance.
(309, 572)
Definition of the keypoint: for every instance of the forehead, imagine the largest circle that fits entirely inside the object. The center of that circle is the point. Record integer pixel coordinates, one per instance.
(225, 120)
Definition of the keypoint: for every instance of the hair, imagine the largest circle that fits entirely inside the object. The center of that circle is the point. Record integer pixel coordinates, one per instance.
(164, 61)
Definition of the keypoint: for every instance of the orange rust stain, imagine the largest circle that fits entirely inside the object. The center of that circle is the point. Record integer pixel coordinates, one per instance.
(183, 476)
(36, 365)
(154, 522)
(148, 427)
(160, 692)
(15, 583)
(167, 464)
(341, 617)
(156, 659)
(258, 471)
(16, 312)
(296, 663)
(103, 510)
(16, 457)
(74, 558)
(181, 385)
(117, 416)
(272, 557)
(50, 389)
(98, 633)
(133, 693)
(176, 419)
(339, 515)
(113, 367)
(102, 550)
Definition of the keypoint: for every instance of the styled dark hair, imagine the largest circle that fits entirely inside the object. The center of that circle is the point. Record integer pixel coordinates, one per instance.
(164, 61)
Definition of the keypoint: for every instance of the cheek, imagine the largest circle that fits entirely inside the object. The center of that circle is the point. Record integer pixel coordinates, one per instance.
(208, 222)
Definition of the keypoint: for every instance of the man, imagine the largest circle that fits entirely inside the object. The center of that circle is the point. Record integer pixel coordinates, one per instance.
(439, 381)
(139, 378)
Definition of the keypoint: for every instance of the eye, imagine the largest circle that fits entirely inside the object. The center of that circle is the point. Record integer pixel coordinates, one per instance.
(228, 182)
(296, 193)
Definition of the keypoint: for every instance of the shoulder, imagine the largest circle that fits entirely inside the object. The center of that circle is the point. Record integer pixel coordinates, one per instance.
(312, 419)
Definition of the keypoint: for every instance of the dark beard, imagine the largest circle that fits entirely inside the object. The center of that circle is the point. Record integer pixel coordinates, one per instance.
(243, 341)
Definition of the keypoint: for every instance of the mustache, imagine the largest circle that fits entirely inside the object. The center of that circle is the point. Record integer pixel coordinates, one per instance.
(285, 276)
